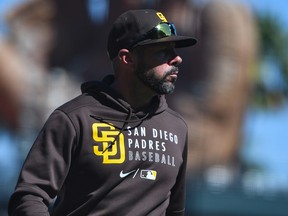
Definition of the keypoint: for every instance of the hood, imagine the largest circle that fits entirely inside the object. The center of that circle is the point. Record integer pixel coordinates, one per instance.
(107, 96)
(102, 91)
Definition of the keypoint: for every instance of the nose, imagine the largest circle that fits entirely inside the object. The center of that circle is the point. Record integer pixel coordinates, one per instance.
(176, 60)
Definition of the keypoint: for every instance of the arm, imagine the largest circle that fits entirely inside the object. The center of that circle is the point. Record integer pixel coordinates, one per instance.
(45, 168)
(177, 199)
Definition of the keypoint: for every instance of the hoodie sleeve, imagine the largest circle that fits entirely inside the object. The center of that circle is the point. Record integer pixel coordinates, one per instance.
(178, 192)
(45, 168)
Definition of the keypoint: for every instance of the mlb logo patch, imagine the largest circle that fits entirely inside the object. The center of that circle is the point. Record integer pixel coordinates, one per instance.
(148, 174)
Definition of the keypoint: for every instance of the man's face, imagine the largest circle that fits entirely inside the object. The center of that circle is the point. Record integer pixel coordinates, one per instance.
(157, 67)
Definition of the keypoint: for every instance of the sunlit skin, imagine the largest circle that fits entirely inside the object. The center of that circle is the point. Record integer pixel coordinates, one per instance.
(146, 71)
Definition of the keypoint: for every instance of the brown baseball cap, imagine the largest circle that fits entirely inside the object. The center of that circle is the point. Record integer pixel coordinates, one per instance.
(141, 27)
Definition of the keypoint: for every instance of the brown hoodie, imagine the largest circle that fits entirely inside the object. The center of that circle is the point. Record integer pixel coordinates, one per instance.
(97, 156)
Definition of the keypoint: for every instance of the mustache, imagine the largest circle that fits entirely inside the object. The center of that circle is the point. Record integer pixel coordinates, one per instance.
(173, 70)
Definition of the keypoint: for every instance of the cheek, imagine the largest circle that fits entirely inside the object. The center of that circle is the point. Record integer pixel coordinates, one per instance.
(152, 68)
(160, 71)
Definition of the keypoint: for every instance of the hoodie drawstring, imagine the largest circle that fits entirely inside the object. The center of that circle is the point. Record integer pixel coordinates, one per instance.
(125, 122)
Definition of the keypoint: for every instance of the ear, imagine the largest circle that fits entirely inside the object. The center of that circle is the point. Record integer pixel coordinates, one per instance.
(126, 56)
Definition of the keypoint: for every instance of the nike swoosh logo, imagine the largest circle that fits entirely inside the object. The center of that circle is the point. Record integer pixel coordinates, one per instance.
(123, 175)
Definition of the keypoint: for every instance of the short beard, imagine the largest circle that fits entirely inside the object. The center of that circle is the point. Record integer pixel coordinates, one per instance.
(160, 86)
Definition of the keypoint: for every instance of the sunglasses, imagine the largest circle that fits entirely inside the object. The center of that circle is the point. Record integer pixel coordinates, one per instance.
(162, 30)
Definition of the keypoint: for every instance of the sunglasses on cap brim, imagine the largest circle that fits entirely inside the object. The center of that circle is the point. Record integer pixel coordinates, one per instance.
(162, 30)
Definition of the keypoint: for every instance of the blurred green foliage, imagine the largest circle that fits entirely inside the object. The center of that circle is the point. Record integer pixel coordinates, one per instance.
(273, 42)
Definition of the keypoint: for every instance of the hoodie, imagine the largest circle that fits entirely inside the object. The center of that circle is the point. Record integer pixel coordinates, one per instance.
(95, 155)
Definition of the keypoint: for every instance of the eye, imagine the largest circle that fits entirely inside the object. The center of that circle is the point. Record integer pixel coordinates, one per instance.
(165, 53)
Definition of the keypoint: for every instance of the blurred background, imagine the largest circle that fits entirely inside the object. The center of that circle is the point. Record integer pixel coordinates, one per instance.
(232, 90)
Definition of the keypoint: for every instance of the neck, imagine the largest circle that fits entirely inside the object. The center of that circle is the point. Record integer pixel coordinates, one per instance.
(135, 93)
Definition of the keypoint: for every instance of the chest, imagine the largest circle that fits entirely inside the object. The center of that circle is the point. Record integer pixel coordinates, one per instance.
(143, 151)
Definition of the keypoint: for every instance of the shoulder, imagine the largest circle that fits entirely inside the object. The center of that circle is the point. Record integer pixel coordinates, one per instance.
(176, 115)
(78, 103)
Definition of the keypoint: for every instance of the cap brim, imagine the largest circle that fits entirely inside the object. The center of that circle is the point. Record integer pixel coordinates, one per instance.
(180, 41)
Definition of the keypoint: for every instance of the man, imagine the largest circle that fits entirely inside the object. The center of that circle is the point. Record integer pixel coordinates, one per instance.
(117, 149)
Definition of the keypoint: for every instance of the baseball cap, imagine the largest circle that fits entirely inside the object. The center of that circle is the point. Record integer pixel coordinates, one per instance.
(141, 27)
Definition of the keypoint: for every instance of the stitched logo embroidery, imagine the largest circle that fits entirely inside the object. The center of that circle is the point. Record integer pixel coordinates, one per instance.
(161, 16)
(107, 134)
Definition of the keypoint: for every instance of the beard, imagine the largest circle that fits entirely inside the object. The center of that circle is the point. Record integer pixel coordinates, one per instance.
(158, 84)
